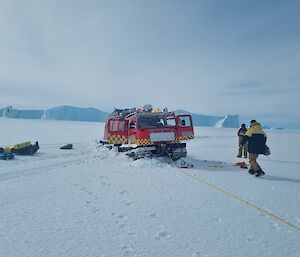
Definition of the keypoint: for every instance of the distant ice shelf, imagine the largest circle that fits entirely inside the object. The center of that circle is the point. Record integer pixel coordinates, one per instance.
(91, 114)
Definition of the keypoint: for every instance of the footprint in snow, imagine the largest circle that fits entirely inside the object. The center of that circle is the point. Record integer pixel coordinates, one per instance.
(123, 225)
(96, 209)
(218, 219)
(198, 254)
(251, 239)
(122, 192)
(162, 235)
(277, 226)
(119, 218)
(128, 203)
(127, 250)
(153, 215)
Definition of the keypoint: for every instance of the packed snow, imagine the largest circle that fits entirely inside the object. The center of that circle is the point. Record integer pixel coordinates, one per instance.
(90, 201)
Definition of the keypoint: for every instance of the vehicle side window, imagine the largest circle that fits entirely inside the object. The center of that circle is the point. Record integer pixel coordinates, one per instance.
(117, 125)
(122, 126)
(184, 121)
(133, 124)
(112, 125)
(171, 122)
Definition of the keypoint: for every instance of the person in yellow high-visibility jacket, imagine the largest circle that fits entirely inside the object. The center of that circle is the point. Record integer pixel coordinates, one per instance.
(256, 138)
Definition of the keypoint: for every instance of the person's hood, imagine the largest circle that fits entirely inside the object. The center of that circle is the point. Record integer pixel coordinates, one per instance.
(255, 124)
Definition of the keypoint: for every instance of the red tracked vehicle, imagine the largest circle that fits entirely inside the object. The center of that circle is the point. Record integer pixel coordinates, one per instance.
(146, 132)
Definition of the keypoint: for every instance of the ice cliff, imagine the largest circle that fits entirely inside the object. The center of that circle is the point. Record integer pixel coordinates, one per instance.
(57, 113)
(92, 114)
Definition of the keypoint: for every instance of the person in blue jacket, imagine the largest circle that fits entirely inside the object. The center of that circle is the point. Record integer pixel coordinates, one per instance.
(242, 149)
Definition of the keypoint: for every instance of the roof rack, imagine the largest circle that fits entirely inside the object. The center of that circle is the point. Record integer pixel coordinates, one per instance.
(122, 112)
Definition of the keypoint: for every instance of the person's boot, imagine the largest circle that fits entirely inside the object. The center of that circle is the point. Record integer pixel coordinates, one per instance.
(251, 171)
(259, 173)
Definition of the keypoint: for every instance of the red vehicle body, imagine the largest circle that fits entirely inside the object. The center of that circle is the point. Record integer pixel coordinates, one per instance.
(161, 130)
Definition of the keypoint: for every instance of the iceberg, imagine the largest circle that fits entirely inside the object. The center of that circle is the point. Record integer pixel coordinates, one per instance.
(227, 121)
(66, 112)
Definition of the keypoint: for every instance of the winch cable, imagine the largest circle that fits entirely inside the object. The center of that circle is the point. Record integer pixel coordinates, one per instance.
(274, 216)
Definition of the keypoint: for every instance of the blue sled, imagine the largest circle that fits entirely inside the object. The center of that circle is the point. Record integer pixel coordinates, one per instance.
(6, 156)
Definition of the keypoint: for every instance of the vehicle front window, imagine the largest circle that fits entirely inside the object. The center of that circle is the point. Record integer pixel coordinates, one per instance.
(156, 122)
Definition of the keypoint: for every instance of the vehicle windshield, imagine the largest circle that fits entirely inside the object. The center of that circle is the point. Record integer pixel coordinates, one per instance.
(157, 121)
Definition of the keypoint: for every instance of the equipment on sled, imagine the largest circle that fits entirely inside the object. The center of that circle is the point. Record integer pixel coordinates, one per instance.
(144, 132)
(25, 148)
(67, 147)
(242, 165)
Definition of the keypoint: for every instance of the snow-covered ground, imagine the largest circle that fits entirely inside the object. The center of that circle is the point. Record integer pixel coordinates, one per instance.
(93, 202)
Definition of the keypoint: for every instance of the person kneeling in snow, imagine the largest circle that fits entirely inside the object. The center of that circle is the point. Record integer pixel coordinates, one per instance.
(256, 138)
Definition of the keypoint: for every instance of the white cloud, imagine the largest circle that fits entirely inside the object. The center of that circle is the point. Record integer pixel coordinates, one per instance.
(185, 55)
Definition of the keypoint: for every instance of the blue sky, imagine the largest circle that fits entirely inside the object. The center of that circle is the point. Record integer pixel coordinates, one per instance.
(209, 57)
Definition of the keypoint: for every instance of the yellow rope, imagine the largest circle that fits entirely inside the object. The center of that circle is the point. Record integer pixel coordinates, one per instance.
(241, 200)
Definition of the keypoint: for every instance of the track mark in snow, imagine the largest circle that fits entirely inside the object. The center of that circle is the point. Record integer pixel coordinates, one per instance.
(39, 169)
(74, 158)
(33, 171)
(282, 161)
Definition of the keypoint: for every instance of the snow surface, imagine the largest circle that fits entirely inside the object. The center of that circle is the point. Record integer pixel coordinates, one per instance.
(93, 202)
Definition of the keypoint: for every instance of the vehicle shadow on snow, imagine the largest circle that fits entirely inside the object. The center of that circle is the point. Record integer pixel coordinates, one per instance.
(214, 166)
(276, 178)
